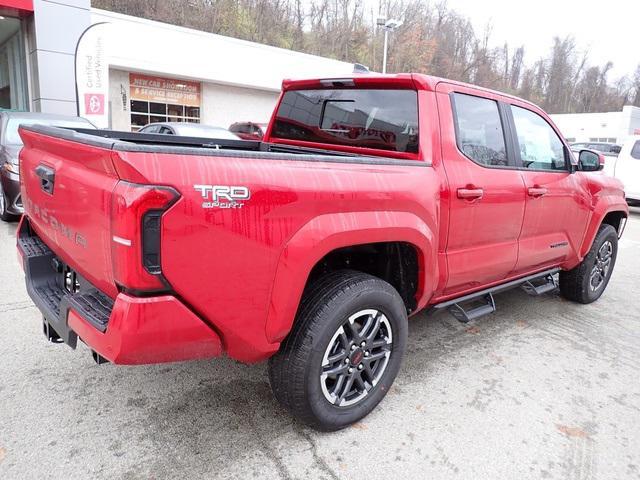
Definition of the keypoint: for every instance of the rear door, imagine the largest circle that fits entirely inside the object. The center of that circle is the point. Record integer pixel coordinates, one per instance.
(557, 202)
(486, 191)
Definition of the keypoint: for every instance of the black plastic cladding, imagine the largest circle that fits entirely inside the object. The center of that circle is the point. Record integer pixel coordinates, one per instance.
(45, 278)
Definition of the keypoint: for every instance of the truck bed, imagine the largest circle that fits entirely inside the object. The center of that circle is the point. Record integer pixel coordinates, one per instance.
(160, 143)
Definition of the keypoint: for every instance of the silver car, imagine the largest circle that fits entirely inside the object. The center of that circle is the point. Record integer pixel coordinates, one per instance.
(185, 129)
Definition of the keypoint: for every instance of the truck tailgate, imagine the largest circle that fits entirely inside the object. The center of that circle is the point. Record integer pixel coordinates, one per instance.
(67, 190)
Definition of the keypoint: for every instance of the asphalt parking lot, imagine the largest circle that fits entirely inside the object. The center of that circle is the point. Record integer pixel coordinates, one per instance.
(541, 389)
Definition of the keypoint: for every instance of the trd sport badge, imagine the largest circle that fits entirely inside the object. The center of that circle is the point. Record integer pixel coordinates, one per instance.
(223, 196)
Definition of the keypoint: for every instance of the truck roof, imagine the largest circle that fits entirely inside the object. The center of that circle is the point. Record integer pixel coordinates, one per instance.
(418, 81)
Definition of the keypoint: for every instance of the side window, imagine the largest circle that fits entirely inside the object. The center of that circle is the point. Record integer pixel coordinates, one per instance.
(635, 151)
(479, 130)
(540, 146)
(150, 129)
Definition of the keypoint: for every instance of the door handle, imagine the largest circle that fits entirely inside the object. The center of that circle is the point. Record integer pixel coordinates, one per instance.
(536, 191)
(47, 177)
(470, 193)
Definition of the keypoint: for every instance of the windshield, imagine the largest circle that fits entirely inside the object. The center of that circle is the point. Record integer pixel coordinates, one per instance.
(11, 136)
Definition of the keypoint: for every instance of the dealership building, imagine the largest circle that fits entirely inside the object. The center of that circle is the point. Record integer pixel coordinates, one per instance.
(612, 127)
(157, 72)
(160, 72)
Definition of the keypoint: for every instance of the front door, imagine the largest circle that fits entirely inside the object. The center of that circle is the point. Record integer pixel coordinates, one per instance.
(558, 204)
(486, 192)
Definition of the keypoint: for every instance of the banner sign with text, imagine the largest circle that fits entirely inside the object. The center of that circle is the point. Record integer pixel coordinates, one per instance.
(92, 75)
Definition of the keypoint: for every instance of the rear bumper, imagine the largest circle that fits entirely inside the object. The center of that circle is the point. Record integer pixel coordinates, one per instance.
(125, 330)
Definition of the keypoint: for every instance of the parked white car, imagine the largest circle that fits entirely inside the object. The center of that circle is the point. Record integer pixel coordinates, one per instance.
(626, 167)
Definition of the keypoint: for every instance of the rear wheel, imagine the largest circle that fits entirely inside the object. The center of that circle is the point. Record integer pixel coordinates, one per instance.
(587, 282)
(344, 351)
(4, 214)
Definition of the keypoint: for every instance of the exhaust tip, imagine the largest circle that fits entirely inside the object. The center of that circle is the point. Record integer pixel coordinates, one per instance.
(51, 335)
(99, 359)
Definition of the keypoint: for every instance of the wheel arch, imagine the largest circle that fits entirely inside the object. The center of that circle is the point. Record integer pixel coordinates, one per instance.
(610, 215)
(328, 234)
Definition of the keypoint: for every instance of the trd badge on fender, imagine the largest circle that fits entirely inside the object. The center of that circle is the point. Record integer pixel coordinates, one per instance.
(223, 196)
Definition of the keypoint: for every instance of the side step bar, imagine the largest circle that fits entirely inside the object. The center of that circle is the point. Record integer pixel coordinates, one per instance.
(465, 316)
(540, 286)
(482, 303)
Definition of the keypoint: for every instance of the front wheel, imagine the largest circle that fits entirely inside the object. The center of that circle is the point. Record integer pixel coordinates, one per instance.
(343, 352)
(587, 282)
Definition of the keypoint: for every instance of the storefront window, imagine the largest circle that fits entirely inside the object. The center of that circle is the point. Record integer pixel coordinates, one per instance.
(192, 112)
(13, 91)
(138, 121)
(176, 110)
(158, 108)
(155, 99)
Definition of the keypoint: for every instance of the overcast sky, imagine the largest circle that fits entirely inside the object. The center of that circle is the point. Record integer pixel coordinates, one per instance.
(609, 29)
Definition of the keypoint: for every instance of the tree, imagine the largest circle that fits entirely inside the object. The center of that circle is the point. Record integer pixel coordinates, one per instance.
(434, 39)
(636, 87)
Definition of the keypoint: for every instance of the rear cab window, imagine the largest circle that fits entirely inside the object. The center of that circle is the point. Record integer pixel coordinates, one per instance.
(378, 119)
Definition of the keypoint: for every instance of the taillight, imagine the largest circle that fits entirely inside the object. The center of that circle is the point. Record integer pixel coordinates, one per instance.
(136, 218)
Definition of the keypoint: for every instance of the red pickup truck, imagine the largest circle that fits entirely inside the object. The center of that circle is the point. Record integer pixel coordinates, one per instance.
(369, 199)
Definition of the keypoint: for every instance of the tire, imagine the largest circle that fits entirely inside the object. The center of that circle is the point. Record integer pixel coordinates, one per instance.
(337, 314)
(588, 281)
(5, 216)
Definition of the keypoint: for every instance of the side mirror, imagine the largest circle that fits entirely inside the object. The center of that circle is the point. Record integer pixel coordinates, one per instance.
(590, 161)
(616, 149)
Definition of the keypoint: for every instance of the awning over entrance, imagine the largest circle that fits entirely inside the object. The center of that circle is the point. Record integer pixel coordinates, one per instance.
(16, 8)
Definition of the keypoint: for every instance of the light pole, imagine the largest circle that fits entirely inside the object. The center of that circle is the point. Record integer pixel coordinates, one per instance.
(388, 26)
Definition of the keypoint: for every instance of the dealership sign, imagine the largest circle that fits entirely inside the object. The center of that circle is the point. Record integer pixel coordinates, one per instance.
(92, 75)
(164, 90)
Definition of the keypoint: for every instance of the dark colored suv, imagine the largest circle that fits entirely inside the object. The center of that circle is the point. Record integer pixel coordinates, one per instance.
(10, 146)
